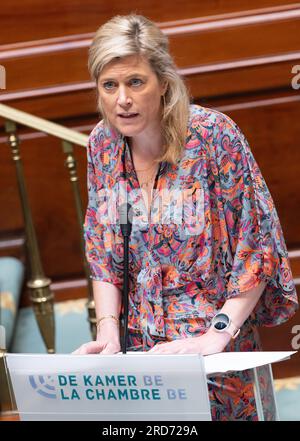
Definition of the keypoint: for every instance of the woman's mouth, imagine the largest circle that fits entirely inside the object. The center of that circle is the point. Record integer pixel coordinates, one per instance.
(128, 115)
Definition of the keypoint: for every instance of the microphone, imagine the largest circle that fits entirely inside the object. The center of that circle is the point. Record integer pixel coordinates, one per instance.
(125, 216)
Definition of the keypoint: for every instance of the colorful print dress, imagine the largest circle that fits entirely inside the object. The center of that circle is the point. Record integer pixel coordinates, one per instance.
(186, 259)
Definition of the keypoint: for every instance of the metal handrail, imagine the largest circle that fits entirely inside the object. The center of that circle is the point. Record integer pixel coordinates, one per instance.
(43, 125)
(40, 293)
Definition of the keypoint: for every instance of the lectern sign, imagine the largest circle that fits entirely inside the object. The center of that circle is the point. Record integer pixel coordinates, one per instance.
(118, 387)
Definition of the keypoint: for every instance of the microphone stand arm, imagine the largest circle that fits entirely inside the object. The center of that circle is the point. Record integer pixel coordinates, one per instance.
(126, 226)
(126, 292)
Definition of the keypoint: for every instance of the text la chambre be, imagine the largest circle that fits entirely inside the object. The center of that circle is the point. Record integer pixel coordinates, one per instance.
(116, 387)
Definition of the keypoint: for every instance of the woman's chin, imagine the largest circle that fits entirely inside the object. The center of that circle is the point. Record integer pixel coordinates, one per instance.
(128, 131)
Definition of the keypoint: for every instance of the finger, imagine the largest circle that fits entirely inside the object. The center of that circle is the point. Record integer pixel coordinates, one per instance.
(111, 348)
(108, 351)
(92, 347)
(158, 347)
(158, 351)
(167, 348)
(79, 351)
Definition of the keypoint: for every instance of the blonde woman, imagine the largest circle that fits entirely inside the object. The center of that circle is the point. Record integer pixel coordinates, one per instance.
(208, 261)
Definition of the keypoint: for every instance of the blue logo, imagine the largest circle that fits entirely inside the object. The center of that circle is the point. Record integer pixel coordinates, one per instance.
(43, 385)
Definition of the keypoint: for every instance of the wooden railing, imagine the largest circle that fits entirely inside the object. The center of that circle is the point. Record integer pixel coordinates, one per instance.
(38, 284)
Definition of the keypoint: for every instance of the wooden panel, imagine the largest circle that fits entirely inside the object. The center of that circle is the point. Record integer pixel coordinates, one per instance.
(272, 132)
(235, 42)
(51, 104)
(279, 338)
(7, 416)
(34, 20)
(57, 106)
(12, 243)
(45, 70)
(200, 49)
(295, 265)
(242, 80)
(205, 86)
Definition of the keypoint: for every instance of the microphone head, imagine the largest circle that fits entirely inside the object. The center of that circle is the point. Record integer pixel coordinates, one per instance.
(125, 213)
(125, 217)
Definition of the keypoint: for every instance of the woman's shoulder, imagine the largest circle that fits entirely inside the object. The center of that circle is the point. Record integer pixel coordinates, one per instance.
(208, 117)
(213, 126)
(102, 135)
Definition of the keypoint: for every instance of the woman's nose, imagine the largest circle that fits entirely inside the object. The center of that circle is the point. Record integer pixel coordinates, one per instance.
(124, 98)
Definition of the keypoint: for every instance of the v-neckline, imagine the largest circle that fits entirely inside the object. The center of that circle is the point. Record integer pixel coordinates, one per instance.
(132, 173)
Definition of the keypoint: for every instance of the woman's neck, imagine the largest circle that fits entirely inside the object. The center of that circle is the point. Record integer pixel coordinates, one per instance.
(147, 148)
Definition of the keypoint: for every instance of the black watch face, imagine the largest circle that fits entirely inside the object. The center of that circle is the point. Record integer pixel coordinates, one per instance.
(221, 322)
(220, 325)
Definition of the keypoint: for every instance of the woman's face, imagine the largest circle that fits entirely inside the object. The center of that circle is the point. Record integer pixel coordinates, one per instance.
(130, 96)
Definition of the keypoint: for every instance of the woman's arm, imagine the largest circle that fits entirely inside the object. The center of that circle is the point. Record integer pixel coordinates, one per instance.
(107, 298)
(108, 301)
(238, 308)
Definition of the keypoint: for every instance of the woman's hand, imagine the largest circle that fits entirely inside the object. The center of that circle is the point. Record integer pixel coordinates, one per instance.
(107, 342)
(209, 343)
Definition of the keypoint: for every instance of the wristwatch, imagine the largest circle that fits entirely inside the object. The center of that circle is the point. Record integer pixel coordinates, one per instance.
(223, 323)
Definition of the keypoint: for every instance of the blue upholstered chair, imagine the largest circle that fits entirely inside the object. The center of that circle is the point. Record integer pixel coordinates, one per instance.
(21, 329)
(71, 328)
(11, 281)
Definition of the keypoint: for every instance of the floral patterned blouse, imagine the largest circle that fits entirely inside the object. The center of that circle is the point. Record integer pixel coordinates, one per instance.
(186, 266)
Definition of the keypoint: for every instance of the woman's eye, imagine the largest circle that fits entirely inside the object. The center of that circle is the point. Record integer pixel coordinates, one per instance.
(136, 82)
(108, 85)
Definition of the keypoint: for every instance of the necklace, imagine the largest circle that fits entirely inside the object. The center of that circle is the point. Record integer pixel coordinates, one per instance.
(149, 180)
(145, 182)
(146, 187)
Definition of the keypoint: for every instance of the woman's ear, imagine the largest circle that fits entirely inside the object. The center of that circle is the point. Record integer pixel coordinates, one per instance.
(164, 87)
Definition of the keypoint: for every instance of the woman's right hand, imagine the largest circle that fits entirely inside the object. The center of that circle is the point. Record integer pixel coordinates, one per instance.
(107, 343)
(98, 347)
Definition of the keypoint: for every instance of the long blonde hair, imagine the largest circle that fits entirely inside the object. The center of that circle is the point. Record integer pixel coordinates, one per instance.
(136, 35)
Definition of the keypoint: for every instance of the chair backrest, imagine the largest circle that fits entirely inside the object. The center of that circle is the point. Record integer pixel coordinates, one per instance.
(11, 280)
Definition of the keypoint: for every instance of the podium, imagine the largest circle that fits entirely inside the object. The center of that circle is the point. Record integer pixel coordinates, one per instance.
(132, 387)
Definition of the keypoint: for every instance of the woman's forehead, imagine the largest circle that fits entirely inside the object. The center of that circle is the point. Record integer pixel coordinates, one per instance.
(126, 65)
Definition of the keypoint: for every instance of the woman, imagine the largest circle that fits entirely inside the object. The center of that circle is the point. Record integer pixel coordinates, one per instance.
(198, 283)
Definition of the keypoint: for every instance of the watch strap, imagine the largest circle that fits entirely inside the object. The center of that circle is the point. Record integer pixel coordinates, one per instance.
(232, 330)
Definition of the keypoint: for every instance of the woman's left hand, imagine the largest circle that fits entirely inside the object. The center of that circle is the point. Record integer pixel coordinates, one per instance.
(209, 343)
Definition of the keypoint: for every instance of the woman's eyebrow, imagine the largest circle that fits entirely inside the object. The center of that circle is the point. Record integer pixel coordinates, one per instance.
(136, 74)
(133, 74)
(106, 79)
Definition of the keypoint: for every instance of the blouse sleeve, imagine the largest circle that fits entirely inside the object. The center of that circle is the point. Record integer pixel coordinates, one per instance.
(100, 247)
(258, 249)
